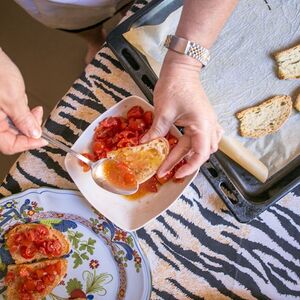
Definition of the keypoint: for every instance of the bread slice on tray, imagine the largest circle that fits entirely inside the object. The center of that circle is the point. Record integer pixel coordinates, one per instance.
(265, 118)
(297, 103)
(144, 160)
(288, 63)
(35, 280)
(31, 242)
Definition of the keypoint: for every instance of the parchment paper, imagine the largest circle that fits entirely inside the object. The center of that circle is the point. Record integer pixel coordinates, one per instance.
(241, 72)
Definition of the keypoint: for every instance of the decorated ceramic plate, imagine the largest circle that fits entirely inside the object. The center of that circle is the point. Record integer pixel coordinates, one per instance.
(105, 262)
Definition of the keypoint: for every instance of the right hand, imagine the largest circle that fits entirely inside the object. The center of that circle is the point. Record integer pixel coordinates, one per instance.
(13, 105)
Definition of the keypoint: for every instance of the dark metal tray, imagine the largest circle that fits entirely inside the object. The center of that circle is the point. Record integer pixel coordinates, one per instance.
(243, 194)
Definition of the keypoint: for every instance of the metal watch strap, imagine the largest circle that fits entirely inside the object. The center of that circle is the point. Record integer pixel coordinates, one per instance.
(187, 47)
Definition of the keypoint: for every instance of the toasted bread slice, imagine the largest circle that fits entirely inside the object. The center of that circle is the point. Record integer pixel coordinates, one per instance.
(288, 63)
(297, 103)
(22, 229)
(265, 118)
(19, 278)
(144, 160)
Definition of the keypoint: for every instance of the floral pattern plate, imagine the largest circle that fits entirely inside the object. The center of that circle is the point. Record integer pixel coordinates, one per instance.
(105, 262)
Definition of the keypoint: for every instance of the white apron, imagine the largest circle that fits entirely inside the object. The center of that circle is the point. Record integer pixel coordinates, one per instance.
(71, 14)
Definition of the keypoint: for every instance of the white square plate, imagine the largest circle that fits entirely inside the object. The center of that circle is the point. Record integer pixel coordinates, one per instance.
(125, 213)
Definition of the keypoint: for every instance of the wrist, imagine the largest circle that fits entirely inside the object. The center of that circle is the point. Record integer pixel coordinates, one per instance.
(176, 63)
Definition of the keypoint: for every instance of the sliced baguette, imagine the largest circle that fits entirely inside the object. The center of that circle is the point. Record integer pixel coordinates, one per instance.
(53, 234)
(14, 286)
(265, 118)
(297, 103)
(144, 160)
(288, 63)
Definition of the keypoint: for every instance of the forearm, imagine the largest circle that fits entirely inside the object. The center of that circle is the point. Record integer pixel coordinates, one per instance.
(201, 22)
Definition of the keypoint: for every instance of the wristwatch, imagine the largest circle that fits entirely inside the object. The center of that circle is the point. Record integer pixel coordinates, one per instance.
(192, 49)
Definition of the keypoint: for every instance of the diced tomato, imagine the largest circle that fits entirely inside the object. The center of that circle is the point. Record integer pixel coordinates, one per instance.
(135, 112)
(28, 251)
(24, 272)
(99, 146)
(42, 230)
(40, 286)
(30, 235)
(128, 142)
(101, 155)
(40, 273)
(150, 185)
(109, 122)
(123, 123)
(50, 269)
(137, 124)
(172, 141)
(29, 285)
(58, 267)
(91, 157)
(53, 248)
(57, 248)
(10, 277)
(166, 178)
(179, 165)
(41, 246)
(48, 279)
(18, 237)
(26, 296)
(14, 248)
(103, 133)
(148, 118)
(127, 134)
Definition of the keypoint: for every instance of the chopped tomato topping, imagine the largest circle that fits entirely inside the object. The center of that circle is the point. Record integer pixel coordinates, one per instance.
(42, 230)
(10, 277)
(33, 241)
(150, 185)
(28, 251)
(137, 124)
(48, 279)
(34, 280)
(53, 248)
(24, 272)
(119, 174)
(135, 112)
(172, 141)
(29, 286)
(166, 178)
(26, 297)
(91, 157)
(148, 118)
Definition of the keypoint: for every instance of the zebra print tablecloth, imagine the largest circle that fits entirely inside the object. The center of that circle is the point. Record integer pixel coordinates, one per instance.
(196, 249)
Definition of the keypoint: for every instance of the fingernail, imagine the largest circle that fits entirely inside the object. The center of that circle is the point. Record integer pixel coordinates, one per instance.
(35, 133)
(45, 143)
(144, 139)
(178, 176)
(161, 174)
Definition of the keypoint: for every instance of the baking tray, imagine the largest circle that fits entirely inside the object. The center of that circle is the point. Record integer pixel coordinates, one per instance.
(245, 196)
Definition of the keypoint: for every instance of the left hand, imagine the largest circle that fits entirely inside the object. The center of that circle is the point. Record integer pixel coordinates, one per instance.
(180, 99)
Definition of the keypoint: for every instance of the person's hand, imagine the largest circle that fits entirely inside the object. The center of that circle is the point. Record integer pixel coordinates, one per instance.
(180, 99)
(13, 105)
